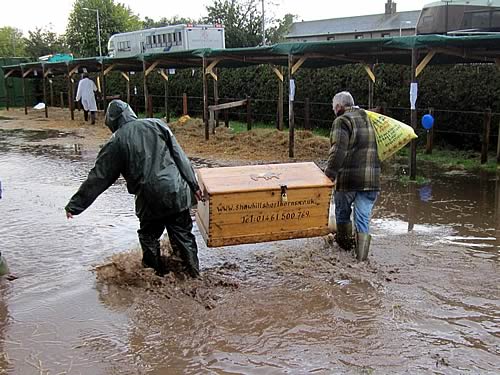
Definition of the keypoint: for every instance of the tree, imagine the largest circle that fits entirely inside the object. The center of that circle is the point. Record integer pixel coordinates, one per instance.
(81, 32)
(41, 42)
(11, 42)
(276, 33)
(242, 21)
(149, 23)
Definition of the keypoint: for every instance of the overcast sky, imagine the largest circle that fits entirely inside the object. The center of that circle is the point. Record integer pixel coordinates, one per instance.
(28, 14)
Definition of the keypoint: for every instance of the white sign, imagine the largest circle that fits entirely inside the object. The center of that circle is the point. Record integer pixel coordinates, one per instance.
(413, 94)
(292, 90)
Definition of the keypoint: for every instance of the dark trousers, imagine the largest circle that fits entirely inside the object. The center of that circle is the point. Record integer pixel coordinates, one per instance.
(92, 116)
(179, 228)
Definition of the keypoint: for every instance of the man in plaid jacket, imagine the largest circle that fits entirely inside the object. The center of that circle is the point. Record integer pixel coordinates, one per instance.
(354, 166)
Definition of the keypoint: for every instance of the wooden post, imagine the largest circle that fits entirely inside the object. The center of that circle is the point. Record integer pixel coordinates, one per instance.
(165, 89)
(103, 80)
(280, 102)
(307, 114)
(61, 98)
(249, 114)
(291, 114)
(150, 110)
(44, 85)
(126, 76)
(486, 136)
(184, 104)
(430, 136)
(51, 88)
(205, 100)
(24, 92)
(70, 96)
(7, 96)
(216, 96)
(145, 87)
(370, 93)
(498, 145)
(413, 142)
(226, 118)
(128, 89)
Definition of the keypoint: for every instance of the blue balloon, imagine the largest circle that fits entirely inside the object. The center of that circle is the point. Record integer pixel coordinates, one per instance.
(427, 121)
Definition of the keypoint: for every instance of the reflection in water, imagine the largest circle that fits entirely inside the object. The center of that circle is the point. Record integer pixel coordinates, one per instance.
(469, 205)
(426, 302)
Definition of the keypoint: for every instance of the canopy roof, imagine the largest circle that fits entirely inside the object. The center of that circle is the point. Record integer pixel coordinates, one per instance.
(396, 50)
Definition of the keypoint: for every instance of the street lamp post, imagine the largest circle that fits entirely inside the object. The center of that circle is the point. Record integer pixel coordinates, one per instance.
(98, 28)
(263, 26)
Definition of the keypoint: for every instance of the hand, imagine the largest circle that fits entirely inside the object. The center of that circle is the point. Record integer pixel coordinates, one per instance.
(199, 196)
(69, 215)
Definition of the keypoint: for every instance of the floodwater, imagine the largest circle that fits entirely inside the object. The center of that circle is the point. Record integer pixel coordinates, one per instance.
(427, 302)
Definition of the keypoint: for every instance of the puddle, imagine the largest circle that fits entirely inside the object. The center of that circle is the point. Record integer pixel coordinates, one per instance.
(426, 302)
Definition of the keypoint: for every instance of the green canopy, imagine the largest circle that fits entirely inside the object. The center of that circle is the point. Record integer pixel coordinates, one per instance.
(395, 50)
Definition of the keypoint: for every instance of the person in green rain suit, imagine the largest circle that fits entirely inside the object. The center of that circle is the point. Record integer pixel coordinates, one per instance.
(158, 173)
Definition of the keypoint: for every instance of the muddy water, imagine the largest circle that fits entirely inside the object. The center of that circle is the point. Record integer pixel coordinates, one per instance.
(427, 302)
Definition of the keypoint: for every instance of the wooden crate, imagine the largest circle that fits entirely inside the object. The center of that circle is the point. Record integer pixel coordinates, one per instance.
(263, 203)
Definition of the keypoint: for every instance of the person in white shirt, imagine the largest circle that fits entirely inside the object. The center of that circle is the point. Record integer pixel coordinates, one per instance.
(86, 94)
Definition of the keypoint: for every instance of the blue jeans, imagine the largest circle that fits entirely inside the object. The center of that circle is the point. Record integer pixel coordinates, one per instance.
(363, 202)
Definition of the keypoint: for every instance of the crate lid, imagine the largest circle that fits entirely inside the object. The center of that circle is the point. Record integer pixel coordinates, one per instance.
(261, 177)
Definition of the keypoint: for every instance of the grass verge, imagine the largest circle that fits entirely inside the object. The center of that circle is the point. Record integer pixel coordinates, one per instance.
(454, 159)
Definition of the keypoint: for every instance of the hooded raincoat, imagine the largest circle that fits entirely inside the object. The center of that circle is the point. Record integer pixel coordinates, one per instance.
(147, 155)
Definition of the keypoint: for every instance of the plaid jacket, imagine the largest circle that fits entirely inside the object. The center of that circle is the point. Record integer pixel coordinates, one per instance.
(353, 160)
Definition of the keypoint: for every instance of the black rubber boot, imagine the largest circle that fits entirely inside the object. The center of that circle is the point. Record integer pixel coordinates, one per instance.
(92, 117)
(363, 246)
(183, 242)
(344, 237)
(86, 115)
(151, 254)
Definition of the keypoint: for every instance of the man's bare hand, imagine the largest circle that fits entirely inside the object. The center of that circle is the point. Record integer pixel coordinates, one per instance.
(69, 215)
(199, 196)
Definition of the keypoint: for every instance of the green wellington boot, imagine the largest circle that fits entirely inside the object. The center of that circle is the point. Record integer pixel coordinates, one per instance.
(363, 246)
(4, 268)
(344, 237)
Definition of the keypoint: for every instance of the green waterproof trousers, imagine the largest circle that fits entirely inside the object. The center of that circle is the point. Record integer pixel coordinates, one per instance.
(179, 228)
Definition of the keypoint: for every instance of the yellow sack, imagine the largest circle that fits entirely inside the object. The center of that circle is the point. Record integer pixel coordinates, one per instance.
(392, 135)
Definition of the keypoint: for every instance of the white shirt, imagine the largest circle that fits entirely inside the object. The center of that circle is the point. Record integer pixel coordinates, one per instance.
(85, 92)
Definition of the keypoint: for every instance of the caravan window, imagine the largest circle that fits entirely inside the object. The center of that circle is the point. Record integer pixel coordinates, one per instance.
(169, 38)
(495, 18)
(480, 19)
(179, 37)
(124, 46)
(148, 40)
(175, 38)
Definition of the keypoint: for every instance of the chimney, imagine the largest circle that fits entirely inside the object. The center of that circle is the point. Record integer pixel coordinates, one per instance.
(390, 8)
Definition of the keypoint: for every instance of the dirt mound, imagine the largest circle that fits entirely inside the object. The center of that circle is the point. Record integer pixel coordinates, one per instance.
(254, 145)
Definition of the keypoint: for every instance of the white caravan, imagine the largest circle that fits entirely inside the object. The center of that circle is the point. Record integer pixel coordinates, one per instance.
(166, 39)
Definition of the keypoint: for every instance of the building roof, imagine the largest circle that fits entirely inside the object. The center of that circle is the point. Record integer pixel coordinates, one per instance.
(372, 22)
